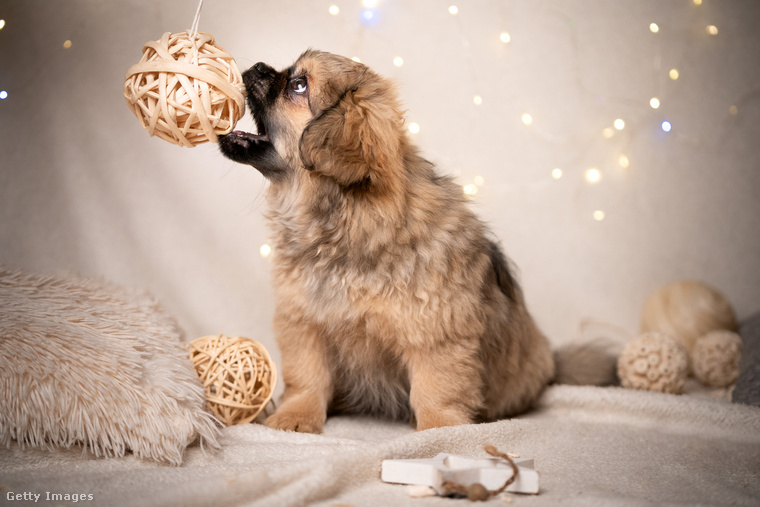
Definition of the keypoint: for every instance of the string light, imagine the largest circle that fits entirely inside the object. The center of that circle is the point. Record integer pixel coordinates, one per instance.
(356, 59)
(3, 95)
(505, 37)
(673, 74)
(369, 4)
(2, 24)
(654, 102)
(619, 124)
(479, 181)
(593, 175)
(453, 10)
(608, 133)
(334, 10)
(557, 173)
(470, 189)
(368, 16)
(598, 215)
(712, 29)
(654, 27)
(697, 2)
(67, 44)
(414, 128)
(398, 61)
(477, 99)
(666, 126)
(265, 250)
(623, 161)
(527, 119)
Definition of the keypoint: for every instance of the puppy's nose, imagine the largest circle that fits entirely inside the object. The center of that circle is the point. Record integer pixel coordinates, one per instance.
(261, 69)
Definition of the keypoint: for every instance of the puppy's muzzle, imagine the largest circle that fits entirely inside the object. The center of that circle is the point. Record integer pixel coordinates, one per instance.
(259, 78)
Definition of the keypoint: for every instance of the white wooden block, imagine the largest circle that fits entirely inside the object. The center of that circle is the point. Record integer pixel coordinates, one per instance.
(490, 472)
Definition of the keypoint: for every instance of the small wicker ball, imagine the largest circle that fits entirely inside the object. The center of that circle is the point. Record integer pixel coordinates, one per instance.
(237, 373)
(687, 310)
(653, 362)
(185, 90)
(716, 358)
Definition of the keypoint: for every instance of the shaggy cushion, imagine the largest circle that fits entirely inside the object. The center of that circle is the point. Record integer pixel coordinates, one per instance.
(84, 363)
(747, 389)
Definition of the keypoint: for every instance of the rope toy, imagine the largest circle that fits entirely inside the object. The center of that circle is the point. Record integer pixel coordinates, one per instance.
(716, 357)
(237, 373)
(185, 89)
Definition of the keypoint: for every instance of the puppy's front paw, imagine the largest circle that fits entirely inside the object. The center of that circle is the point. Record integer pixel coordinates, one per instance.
(437, 419)
(303, 422)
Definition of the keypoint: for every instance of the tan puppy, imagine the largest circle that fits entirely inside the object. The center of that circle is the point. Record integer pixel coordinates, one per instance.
(391, 299)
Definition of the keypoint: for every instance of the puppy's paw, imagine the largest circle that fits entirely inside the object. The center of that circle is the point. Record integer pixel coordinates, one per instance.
(438, 419)
(302, 422)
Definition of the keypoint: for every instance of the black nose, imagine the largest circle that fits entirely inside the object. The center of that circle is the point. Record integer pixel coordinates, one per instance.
(261, 69)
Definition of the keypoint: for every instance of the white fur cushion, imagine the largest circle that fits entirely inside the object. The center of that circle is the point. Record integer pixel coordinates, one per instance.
(84, 363)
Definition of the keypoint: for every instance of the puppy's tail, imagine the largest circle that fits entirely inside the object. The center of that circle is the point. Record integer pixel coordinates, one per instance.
(591, 359)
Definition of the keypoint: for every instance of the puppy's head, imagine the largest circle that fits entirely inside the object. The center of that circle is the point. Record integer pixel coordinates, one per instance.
(326, 114)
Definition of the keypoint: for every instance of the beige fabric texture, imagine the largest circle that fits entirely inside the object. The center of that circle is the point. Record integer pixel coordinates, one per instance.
(86, 363)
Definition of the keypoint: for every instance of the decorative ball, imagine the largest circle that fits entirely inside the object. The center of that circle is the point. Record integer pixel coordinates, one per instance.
(185, 90)
(237, 373)
(687, 310)
(653, 362)
(715, 358)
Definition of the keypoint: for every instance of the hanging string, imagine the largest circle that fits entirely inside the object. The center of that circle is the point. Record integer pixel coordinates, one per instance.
(194, 32)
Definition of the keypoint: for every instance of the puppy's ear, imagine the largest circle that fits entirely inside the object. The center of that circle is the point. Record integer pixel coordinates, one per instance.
(358, 139)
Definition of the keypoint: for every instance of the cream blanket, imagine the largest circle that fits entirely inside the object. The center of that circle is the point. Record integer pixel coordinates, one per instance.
(592, 446)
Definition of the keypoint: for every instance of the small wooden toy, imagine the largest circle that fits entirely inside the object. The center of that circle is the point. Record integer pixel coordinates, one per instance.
(491, 473)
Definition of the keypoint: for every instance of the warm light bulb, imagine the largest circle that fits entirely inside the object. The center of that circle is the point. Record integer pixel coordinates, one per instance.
(712, 29)
(453, 9)
(398, 61)
(619, 124)
(477, 99)
(470, 189)
(265, 250)
(527, 119)
(598, 215)
(505, 37)
(654, 27)
(414, 128)
(623, 161)
(608, 133)
(557, 173)
(356, 59)
(654, 102)
(593, 175)
(334, 10)
(2, 24)
(673, 74)
(697, 2)
(67, 44)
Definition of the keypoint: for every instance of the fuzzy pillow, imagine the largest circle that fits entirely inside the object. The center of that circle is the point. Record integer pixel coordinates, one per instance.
(85, 363)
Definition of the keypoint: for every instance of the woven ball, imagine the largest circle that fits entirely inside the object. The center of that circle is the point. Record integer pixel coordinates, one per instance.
(716, 358)
(687, 310)
(237, 373)
(653, 362)
(185, 90)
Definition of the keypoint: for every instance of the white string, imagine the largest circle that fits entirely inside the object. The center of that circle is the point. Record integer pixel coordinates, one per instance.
(194, 28)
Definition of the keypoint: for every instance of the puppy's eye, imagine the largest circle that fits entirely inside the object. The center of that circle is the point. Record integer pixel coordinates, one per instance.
(299, 85)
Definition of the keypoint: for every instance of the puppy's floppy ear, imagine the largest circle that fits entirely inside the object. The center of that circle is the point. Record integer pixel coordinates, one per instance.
(359, 138)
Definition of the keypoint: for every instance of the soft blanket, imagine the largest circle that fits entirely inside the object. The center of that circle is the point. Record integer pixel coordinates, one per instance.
(592, 446)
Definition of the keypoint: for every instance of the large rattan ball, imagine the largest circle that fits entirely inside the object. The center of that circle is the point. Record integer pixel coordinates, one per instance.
(653, 362)
(237, 373)
(185, 89)
(716, 358)
(687, 310)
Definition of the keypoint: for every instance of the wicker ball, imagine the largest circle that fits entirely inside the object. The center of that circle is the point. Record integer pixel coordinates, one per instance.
(716, 358)
(687, 310)
(185, 90)
(653, 362)
(237, 373)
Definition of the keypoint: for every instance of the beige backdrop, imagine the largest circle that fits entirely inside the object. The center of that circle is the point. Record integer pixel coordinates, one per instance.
(84, 189)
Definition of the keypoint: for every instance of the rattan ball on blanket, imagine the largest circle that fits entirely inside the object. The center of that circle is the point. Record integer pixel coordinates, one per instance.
(653, 362)
(185, 89)
(237, 373)
(715, 358)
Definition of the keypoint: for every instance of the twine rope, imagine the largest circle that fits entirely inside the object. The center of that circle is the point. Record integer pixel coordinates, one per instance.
(478, 492)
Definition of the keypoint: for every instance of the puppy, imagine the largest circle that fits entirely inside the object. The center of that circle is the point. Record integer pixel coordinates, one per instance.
(391, 299)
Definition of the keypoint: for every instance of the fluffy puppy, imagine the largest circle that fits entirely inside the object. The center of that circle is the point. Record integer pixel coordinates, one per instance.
(391, 298)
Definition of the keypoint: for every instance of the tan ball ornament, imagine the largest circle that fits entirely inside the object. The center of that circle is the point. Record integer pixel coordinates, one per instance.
(715, 358)
(185, 89)
(237, 373)
(653, 362)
